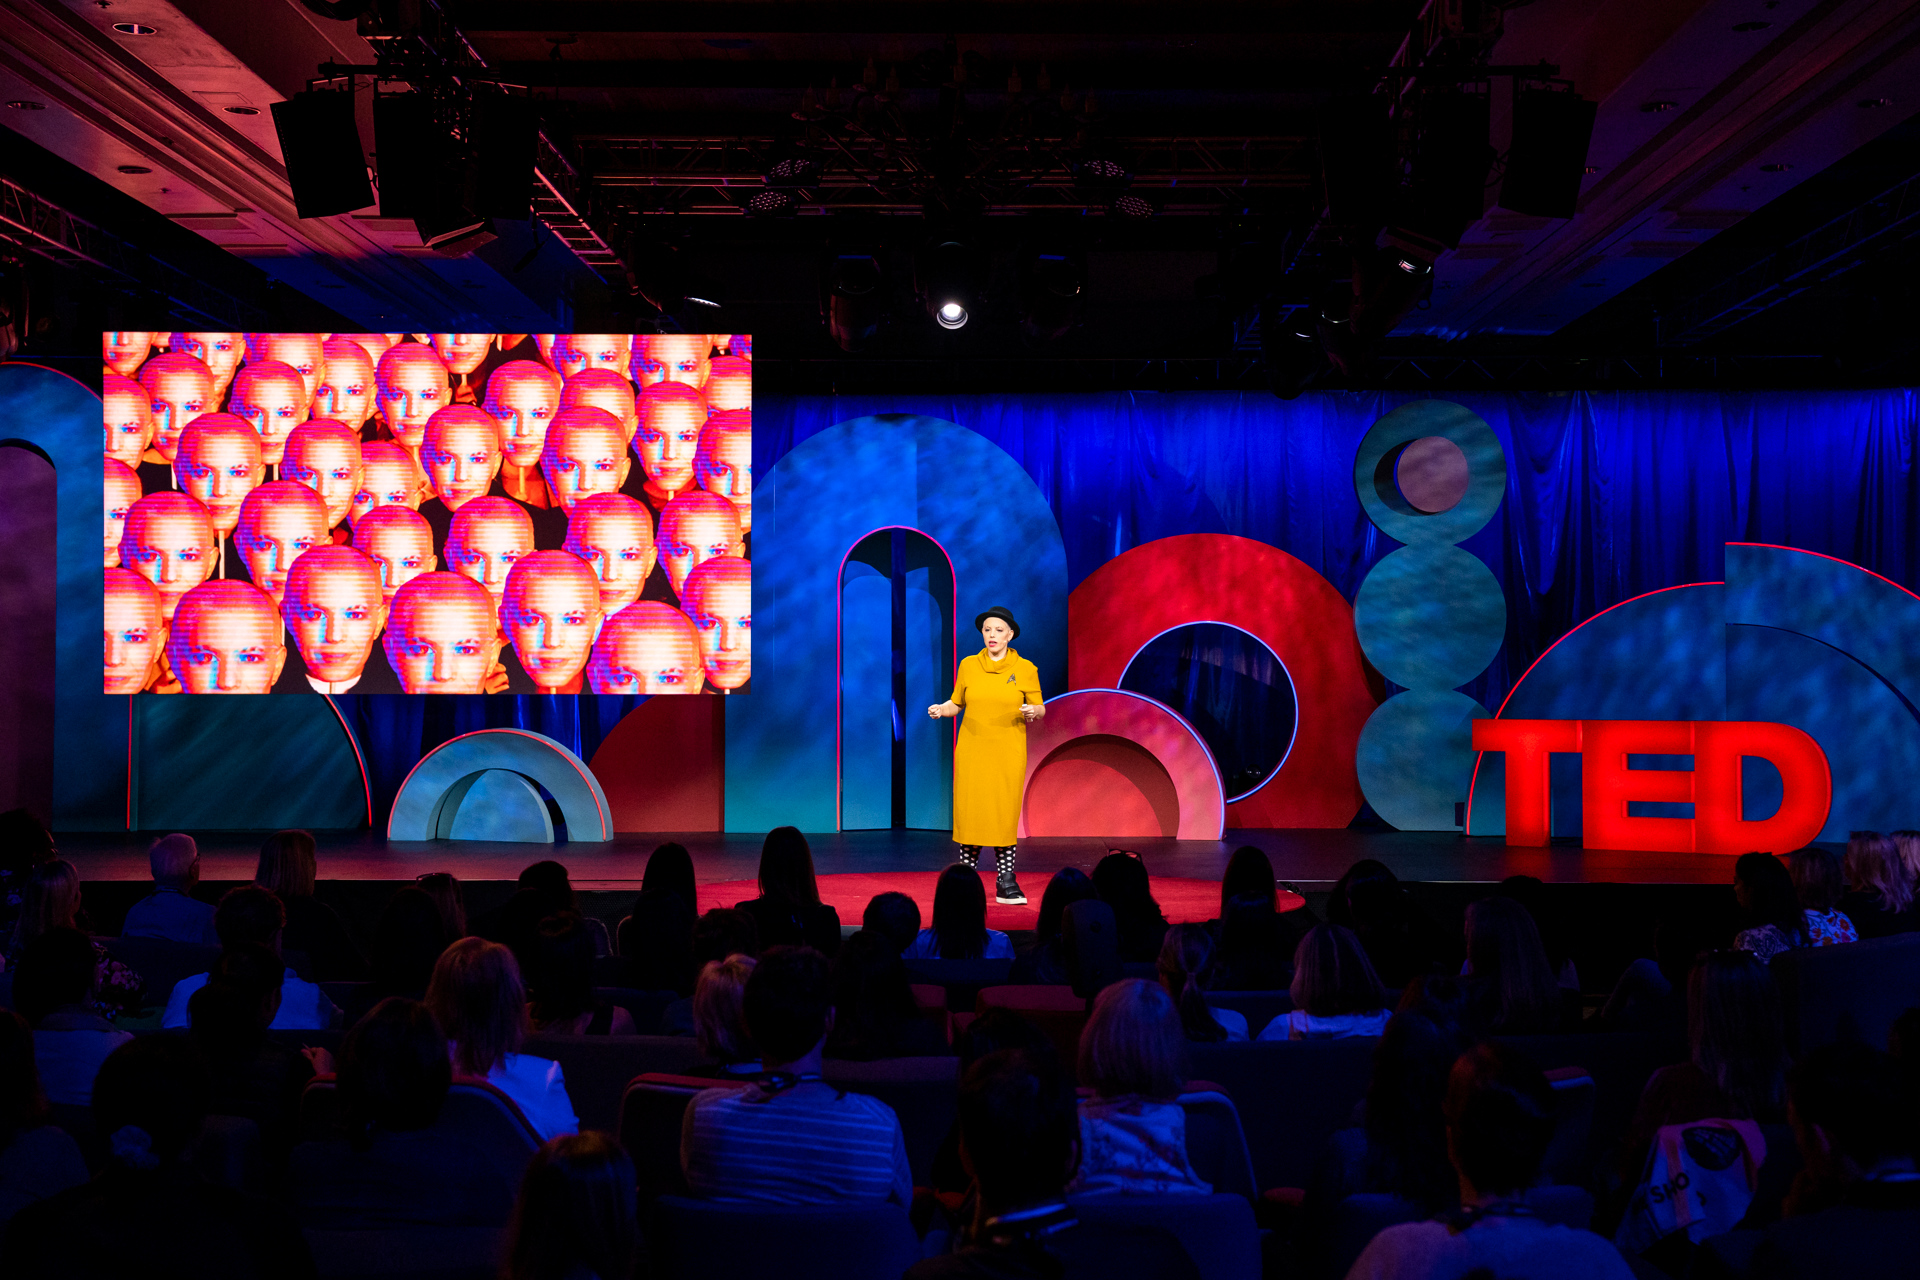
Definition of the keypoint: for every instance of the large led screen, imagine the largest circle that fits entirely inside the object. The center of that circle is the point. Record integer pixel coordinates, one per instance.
(428, 513)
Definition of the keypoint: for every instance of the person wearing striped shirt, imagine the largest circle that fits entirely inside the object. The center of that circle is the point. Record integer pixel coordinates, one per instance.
(793, 1138)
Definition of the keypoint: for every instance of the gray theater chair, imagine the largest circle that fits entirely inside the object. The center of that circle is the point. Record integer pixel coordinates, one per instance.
(1217, 1231)
(709, 1240)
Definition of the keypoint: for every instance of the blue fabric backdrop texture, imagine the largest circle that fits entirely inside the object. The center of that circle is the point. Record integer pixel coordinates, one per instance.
(1608, 495)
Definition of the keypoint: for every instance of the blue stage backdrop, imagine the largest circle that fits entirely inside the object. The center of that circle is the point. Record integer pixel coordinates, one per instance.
(1609, 495)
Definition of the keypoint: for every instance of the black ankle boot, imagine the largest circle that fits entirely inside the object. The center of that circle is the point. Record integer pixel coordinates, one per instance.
(1006, 889)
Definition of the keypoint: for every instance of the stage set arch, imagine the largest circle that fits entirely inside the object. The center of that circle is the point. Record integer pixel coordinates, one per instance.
(1245, 614)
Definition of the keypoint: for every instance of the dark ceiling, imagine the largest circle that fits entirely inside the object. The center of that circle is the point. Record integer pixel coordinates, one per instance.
(1747, 213)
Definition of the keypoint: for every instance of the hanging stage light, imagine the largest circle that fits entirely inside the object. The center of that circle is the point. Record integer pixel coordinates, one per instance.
(947, 276)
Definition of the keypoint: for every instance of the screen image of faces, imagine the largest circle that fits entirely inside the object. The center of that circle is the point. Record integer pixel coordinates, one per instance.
(428, 513)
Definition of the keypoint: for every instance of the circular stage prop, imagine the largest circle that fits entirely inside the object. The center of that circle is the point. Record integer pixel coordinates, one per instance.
(433, 801)
(1106, 762)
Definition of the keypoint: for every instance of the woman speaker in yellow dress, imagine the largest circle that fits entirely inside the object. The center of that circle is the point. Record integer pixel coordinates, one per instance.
(1000, 692)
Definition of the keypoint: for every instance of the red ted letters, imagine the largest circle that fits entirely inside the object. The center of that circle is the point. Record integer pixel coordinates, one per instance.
(1712, 785)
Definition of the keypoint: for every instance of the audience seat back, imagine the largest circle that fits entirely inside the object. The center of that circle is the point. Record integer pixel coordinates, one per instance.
(923, 1092)
(1359, 1218)
(652, 1110)
(710, 1240)
(1217, 1231)
(475, 1111)
(1090, 945)
(1216, 1145)
(161, 962)
(597, 1068)
(411, 1253)
(1257, 1007)
(645, 1006)
(1056, 1012)
(931, 1000)
(1852, 992)
(1567, 1155)
(229, 1153)
(1620, 1064)
(963, 979)
(1291, 1096)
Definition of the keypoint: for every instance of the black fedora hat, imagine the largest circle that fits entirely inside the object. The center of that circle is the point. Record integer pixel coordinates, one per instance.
(1001, 612)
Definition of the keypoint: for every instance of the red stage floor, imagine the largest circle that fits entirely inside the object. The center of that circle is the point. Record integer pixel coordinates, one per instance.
(1182, 898)
(1307, 858)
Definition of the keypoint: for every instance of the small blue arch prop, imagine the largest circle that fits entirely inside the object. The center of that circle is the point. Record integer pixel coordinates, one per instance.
(454, 793)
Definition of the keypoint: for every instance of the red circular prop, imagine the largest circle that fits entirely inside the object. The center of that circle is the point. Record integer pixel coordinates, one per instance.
(1108, 763)
(1212, 577)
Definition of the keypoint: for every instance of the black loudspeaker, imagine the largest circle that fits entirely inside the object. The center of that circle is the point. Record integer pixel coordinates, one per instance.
(1450, 163)
(505, 133)
(320, 145)
(1357, 159)
(408, 153)
(1549, 153)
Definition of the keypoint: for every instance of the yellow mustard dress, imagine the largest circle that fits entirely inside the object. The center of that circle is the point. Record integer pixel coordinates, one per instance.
(990, 757)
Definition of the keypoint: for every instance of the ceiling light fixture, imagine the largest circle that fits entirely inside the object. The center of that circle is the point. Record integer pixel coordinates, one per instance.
(241, 111)
(134, 169)
(1661, 104)
(1775, 168)
(135, 29)
(27, 104)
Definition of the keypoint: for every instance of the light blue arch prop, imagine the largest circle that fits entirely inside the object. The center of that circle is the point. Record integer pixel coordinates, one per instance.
(433, 801)
(951, 484)
(144, 762)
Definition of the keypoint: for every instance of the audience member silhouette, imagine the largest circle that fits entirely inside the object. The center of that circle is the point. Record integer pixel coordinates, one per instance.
(793, 1139)
(54, 979)
(1121, 880)
(250, 914)
(1019, 1135)
(560, 981)
(287, 869)
(874, 1014)
(1186, 965)
(1499, 1116)
(148, 1213)
(1335, 991)
(575, 1215)
(1044, 961)
(481, 1004)
(37, 1158)
(788, 911)
(895, 916)
(1775, 920)
(720, 1021)
(1510, 981)
(393, 1164)
(1880, 900)
(1133, 1132)
(959, 930)
(171, 911)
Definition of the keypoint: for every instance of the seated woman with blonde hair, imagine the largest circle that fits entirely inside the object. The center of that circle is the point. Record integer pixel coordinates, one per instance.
(720, 1023)
(477, 997)
(1133, 1132)
(1335, 991)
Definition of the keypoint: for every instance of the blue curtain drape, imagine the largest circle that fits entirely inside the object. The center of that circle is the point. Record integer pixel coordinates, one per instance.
(1609, 494)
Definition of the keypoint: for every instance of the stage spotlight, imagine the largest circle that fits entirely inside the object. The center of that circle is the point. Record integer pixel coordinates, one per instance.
(947, 277)
(795, 172)
(1131, 205)
(320, 146)
(1053, 284)
(853, 298)
(1101, 173)
(774, 202)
